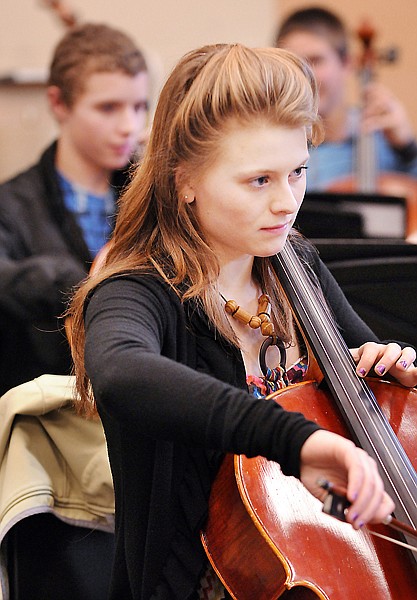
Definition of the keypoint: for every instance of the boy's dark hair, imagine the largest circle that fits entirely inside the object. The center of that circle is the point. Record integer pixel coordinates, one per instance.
(318, 21)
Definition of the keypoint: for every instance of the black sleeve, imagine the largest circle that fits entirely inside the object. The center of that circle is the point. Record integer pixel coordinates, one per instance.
(128, 328)
(35, 287)
(37, 271)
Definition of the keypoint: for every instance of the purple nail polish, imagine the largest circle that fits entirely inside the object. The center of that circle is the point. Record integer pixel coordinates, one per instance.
(362, 372)
(404, 364)
(380, 369)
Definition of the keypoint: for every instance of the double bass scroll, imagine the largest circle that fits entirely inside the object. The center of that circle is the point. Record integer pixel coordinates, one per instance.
(63, 11)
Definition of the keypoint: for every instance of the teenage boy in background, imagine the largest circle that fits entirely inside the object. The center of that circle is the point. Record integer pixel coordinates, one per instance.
(55, 216)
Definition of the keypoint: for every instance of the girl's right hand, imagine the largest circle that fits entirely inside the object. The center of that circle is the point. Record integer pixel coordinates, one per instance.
(329, 456)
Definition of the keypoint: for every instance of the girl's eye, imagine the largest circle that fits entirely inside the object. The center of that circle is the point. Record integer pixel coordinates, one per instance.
(261, 181)
(298, 172)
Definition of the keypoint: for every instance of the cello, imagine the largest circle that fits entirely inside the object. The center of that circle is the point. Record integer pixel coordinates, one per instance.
(266, 536)
(367, 179)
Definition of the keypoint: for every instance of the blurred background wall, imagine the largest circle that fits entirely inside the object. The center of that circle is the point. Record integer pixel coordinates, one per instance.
(165, 29)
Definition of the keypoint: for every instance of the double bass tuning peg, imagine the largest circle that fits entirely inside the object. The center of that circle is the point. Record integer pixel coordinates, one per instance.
(366, 35)
(389, 55)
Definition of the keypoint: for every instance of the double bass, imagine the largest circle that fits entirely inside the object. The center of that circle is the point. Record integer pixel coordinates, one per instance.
(266, 536)
(63, 11)
(367, 179)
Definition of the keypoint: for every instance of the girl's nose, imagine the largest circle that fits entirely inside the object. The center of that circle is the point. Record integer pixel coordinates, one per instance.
(283, 200)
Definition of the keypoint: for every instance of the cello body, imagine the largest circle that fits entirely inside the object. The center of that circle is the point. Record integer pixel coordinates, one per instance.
(267, 537)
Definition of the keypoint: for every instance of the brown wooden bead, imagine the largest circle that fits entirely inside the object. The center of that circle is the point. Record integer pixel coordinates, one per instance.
(244, 317)
(263, 303)
(231, 307)
(254, 321)
(267, 329)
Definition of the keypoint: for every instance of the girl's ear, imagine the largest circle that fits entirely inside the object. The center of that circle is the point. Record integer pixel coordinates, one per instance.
(184, 187)
(57, 105)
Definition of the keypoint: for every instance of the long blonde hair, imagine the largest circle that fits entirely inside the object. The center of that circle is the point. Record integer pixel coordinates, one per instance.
(155, 231)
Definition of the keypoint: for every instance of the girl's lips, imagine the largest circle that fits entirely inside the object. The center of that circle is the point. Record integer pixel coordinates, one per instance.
(276, 228)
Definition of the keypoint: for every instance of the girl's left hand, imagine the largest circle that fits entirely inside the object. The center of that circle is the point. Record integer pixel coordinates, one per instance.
(386, 358)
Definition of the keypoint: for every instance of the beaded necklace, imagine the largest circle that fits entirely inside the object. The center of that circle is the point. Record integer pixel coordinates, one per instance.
(260, 320)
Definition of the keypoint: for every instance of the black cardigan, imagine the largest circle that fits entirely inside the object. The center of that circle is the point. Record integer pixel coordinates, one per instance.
(172, 398)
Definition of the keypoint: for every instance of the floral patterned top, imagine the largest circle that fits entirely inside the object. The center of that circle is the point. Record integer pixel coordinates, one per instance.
(277, 378)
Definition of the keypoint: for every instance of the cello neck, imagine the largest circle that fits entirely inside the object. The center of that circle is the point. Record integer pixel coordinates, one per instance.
(356, 402)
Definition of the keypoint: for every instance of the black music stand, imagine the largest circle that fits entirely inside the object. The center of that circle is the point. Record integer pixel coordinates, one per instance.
(329, 215)
(379, 278)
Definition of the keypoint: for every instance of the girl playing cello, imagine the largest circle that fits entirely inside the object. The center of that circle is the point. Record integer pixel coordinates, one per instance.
(166, 336)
